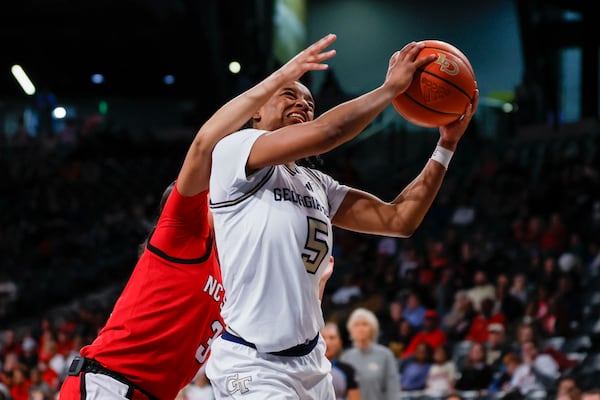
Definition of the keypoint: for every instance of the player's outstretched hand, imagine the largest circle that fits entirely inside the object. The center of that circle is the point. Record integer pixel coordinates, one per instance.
(451, 133)
(403, 65)
(309, 59)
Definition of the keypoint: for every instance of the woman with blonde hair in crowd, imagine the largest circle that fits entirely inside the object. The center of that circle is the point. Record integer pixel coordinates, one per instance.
(375, 365)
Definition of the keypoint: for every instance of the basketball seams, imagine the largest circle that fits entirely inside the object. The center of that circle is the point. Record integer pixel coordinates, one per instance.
(450, 83)
(428, 108)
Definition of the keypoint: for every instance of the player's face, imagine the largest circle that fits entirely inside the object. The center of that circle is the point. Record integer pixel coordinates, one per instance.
(292, 104)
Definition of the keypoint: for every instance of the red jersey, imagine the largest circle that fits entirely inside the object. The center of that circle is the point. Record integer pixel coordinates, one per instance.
(162, 325)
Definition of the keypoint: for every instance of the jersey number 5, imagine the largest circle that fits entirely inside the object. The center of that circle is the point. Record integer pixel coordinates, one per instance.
(316, 247)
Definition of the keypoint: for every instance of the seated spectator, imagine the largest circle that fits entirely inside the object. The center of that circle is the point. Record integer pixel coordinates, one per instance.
(442, 374)
(348, 292)
(497, 345)
(414, 371)
(518, 288)
(414, 311)
(482, 289)
(538, 371)
(478, 332)
(431, 334)
(402, 339)
(504, 373)
(568, 389)
(476, 374)
(457, 322)
(390, 325)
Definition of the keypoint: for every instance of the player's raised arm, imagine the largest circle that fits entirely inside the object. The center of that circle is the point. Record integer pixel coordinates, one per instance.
(195, 172)
(363, 212)
(295, 141)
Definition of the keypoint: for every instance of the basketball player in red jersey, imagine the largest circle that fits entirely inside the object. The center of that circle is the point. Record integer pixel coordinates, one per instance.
(162, 325)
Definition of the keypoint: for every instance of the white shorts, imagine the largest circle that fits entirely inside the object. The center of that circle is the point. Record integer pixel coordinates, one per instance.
(237, 371)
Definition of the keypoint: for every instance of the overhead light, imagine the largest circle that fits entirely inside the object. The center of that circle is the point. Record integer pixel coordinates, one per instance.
(23, 79)
(169, 79)
(97, 78)
(59, 112)
(235, 67)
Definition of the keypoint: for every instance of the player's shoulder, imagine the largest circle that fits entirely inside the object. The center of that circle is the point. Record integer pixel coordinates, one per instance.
(241, 135)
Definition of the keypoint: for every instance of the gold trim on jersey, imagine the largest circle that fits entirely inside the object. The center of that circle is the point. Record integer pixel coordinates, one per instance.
(255, 189)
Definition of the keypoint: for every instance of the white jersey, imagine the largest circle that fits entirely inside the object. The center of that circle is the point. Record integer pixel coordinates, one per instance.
(274, 239)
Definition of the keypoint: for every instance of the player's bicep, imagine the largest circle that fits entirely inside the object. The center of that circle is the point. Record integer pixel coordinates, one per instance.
(290, 143)
(363, 212)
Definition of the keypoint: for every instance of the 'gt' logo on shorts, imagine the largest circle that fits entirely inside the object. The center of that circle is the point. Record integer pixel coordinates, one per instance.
(234, 384)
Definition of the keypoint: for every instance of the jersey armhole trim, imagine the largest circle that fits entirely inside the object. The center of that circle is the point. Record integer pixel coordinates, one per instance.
(255, 189)
(162, 254)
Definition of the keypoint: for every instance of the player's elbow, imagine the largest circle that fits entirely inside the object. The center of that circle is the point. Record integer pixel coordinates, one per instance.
(403, 228)
(203, 143)
(404, 232)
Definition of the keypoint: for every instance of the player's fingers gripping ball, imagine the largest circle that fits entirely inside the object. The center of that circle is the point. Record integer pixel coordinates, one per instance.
(441, 90)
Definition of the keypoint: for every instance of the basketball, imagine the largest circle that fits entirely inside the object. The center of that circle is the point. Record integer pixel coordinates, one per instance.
(441, 90)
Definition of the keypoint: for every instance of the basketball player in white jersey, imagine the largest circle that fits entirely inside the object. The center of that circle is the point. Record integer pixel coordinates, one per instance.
(273, 226)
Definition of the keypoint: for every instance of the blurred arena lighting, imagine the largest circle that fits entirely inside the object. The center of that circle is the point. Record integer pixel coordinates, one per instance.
(235, 67)
(505, 106)
(23, 79)
(59, 112)
(97, 78)
(103, 107)
(169, 79)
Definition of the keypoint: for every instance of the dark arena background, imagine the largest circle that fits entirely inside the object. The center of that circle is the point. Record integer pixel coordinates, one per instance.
(100, 100)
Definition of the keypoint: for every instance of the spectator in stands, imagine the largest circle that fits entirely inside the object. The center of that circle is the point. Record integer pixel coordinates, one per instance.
(29, 355)
(10, 343)
(441, 377)
(343, 374)
(505, 302)
(375, 364)
(538, 371)
(568, 389)
(415, 370)
(497, 345)
(554, 237)
(38, 384)
(504, 373)
(549, 274)
(479, 329)
(518, 288)
(458, 321)
(476, 374)
(348, 292)
(480, 290)
(414, 311)
(390, 325)
(569, 297)
(431, 334)
(19, 384)
(402, 338)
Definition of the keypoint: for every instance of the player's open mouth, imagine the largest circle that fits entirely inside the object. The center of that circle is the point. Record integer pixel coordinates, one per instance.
(298, 116)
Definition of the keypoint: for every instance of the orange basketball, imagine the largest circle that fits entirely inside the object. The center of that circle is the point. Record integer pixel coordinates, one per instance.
(440, 91)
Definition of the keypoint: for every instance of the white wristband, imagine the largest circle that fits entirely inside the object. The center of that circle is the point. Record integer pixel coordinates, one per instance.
(442, 155)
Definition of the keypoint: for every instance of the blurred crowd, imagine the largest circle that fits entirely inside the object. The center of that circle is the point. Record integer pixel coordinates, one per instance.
(496, 294)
